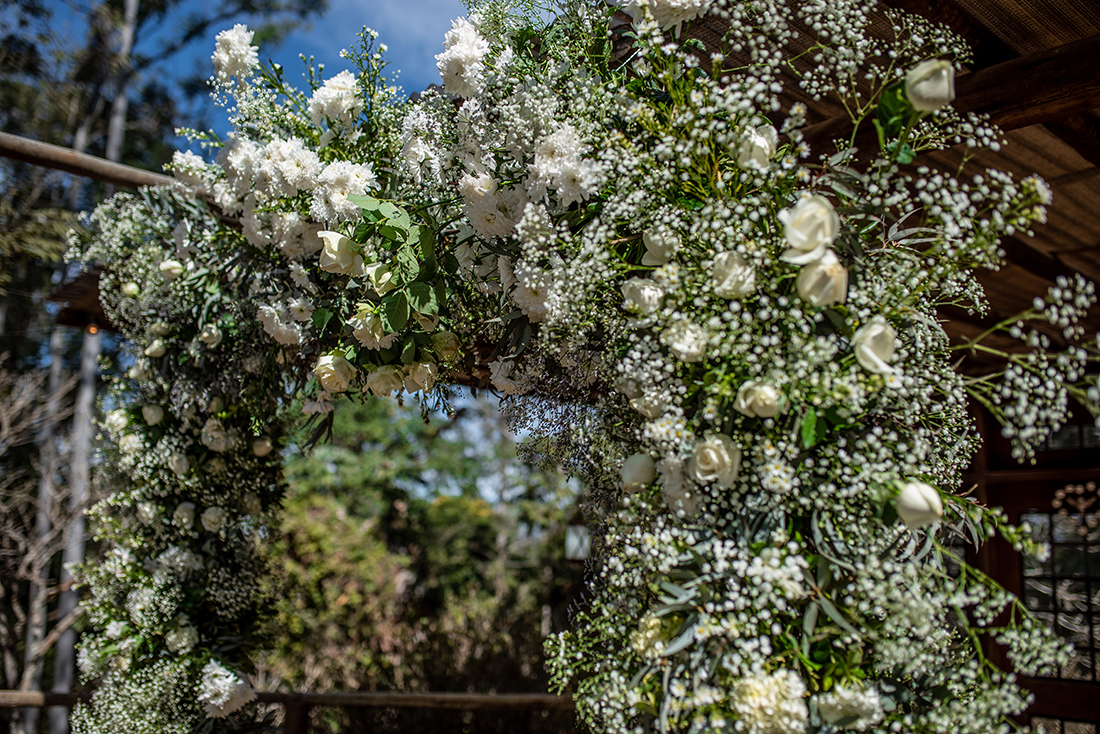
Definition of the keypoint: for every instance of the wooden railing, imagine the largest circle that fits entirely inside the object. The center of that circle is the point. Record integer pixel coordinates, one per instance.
(298, 705)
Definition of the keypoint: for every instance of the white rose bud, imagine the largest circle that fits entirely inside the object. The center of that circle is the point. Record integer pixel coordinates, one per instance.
(810, 227)
(930, 85)
(873, 345)
(824, 283)
(732, 276)
(153, 414)
(156, 349)
(659, 248)
(757, 399)
(117, 420)
(334, 373)
(171, 269)
(251, 504)
(160, 328)
(445, 345)
(638, 471)
(131, 443)
(918, 504)
(686, 341)
(262, 446)
(179, 464)
(384, 381)
(184, 516)
(757, 147)
(213, 519)
(140, 371)
(338, 254)
(214, 436)
(649, 405)
(381, 278)
(131, 290)
(716, 459)
(421, 376)
(146, 513)
(210, 335)
(642, 295)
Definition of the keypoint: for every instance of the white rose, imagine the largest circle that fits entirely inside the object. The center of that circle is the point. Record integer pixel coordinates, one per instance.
(153, 414)
(131, 290)
(262, 446)
(156, 349)
(810, 227)
(117, 420)
(131, 443)
(140, 371)
(757, 147)
(146, 513)
(873, 345)
(638, 471)
(179, 464)
(930, 85)
(716, 459)
(757, 399)
(184, 516)
(380, 277)
(686, 341)
(421, 376)
(919, 504)
(824, 283)
(171, 269)
(210, 335)
(216, 465)
(213, 519)
(679, 497)
(732, 276)
(659, 247)
(642, 295)
(334, 373)
(214, 436)
(384, 381)
(338, 254)
(160, 328)
(251, 504)
(445, 345)
(368, 330)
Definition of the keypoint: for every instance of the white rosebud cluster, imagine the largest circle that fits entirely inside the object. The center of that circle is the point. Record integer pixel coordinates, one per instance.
(234, 54)
(461, 62)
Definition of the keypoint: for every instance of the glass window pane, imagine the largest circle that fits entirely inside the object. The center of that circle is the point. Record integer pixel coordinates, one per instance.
(1066, 528)
(1038, 594)
(1069, 561)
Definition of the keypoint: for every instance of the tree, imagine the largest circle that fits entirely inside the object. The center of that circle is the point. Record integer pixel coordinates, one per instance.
(419, 555)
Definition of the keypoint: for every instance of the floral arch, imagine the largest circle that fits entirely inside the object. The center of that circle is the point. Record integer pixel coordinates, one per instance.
(729, 333)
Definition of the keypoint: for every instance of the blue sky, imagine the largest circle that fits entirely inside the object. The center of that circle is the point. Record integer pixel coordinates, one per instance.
(412, 29)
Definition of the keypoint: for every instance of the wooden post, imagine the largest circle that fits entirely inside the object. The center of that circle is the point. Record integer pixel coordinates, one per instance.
(296, 720)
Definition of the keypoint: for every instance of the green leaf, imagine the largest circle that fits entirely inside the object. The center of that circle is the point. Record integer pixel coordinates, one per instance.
(408, 352)
(422, 299)
(406, 267)
(364, 201)
(427, 251)
(388, 210)
(392, 233)
(809, 429)
(321, 317)
(395, 311)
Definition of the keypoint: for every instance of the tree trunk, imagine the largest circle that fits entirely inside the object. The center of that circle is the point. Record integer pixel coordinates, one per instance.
(116, 126)
(83, 430)
(36, 608)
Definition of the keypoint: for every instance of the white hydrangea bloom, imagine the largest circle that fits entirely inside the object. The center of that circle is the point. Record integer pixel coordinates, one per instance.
(222, 691)
(559, 164)
(234, 54)
(461, 64)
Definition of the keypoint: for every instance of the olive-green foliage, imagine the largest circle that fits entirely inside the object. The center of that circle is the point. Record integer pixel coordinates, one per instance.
(419, 556)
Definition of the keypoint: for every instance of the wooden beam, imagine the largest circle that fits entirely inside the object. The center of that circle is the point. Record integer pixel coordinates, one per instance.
(989, 50)
(80, 164)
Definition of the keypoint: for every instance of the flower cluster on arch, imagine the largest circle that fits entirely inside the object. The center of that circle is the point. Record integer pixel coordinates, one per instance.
(729, 336)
